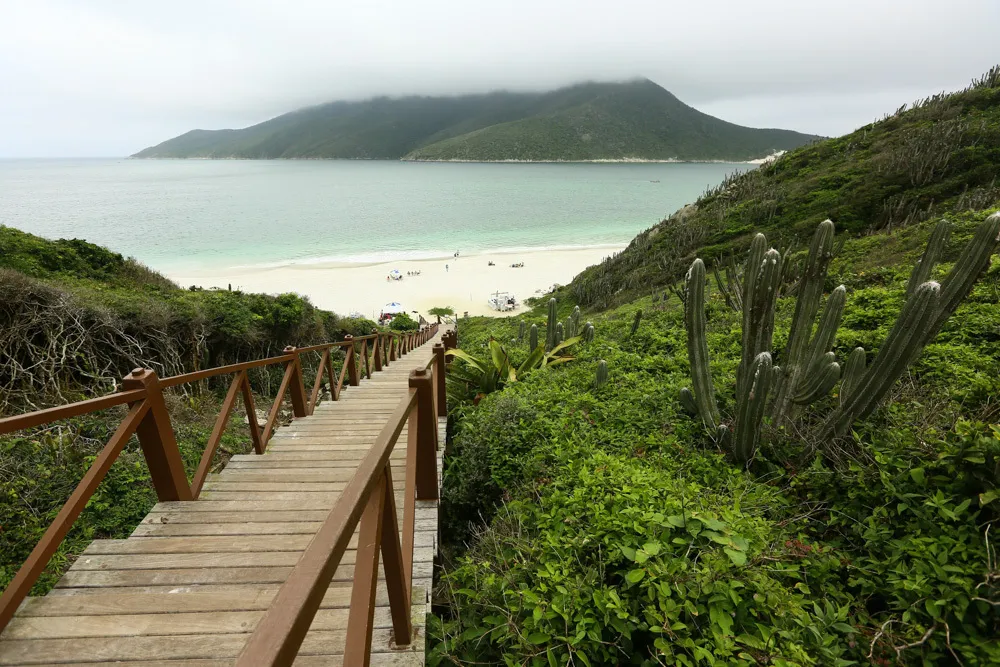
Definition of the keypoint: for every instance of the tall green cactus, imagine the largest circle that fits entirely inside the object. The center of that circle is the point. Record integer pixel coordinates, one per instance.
(853, 372)
(925, 311)
(576, 318)
(760, 298)
(569, 328)
(601, 375)
(973, 261)
(635, 323)
(697, 344)
(520, 331)
(750, 404)
(558, 337)
(805, 369)
(550, 327)
(901, 345)
(533, 337)
(932, 253)
(811, 369)
(588, 332)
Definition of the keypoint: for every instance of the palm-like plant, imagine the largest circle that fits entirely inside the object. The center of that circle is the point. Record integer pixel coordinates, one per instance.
(477, 377)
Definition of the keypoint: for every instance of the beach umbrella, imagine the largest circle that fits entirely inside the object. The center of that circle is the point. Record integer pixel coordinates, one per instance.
(395, 273)
(393, 308)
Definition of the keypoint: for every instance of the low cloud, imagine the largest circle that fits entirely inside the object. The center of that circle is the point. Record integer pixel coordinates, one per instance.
(108, 78)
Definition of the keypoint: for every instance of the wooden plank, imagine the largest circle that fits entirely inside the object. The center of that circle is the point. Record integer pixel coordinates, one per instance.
(191, 576)
(424, 511)
(186, 647)
(203, 599)
(273, 528)
(176, 623)
(215, 544)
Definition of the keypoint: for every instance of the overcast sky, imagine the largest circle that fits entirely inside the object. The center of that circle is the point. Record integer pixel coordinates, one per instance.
(110, 77)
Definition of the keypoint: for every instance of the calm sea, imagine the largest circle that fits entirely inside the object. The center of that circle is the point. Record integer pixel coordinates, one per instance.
(179, 214)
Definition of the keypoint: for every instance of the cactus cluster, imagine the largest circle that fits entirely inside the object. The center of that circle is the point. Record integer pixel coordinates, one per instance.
(810, 368)
(588, 332)
(601, 375)
(927, 307)
(558, 336)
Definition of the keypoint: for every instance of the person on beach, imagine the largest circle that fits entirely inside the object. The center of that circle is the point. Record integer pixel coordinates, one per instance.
(446, 268)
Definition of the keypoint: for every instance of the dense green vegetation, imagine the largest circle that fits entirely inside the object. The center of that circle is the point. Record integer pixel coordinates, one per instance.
(938, 157)
(74, 319)
(590, 519)
(636, 119)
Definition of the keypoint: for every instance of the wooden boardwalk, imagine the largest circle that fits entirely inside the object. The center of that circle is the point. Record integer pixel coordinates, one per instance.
(194, 578)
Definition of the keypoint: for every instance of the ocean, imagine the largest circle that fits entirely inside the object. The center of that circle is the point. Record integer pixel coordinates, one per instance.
(177, 215)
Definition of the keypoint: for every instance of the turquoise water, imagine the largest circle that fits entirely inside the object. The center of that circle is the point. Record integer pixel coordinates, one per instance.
(179, 214)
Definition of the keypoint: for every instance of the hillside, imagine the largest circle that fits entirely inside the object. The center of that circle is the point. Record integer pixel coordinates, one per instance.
(938, 156)
(75, 318)
(590, 121)
(597, 513)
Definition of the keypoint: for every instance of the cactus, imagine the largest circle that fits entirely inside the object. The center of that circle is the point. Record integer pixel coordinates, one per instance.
(805, 371)
(697, 344)
(900, 346)
(750, 404)
(975, 259)
(688, 403)
(576, 318)
(922, 270)
(759, 299)
(635, 322)
(550, 327)
(520, 331)
(558, 337)
(588, 332)
(925, 311)
(601, 376)
(569, 327)
(533, 337)
(853, 372)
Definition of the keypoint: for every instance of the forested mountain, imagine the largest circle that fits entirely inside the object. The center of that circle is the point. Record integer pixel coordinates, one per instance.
(589, 121)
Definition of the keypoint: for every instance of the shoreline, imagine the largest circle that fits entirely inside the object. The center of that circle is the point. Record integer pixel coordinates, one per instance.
(626, 160)
(465, 284)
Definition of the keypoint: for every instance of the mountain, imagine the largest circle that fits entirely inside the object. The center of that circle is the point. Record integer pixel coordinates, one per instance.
(940, 156)
(589, 121)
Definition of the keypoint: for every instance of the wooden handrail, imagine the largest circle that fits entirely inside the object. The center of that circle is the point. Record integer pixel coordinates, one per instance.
(148, 418)
(39, 417)
(368, 498)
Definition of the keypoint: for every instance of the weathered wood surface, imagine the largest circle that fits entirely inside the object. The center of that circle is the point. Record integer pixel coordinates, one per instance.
(194, 578)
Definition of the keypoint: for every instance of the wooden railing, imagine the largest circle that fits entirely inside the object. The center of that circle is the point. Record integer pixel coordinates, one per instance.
(370, 500)
(148, 418)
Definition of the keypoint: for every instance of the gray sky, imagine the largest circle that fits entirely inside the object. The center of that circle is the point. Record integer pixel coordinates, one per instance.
(110, 77)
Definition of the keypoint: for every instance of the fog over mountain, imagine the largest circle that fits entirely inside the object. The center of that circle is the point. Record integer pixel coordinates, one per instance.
(109, 78)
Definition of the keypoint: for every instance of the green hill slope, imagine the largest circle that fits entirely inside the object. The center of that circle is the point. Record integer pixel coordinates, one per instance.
(940, 156)
(635, 119)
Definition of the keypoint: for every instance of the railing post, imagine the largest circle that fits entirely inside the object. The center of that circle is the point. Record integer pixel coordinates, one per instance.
(377, 351)
(442, 388)
(352, 362)
(392, 347)
(156, 436)
(426, 458)
(296, 387)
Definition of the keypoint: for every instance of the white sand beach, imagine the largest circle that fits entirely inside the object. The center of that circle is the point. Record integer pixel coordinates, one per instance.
(465, 285)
